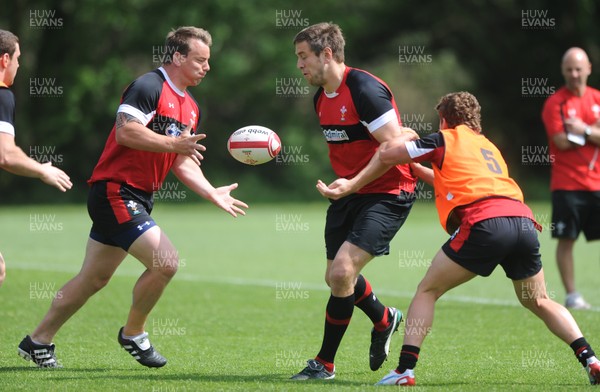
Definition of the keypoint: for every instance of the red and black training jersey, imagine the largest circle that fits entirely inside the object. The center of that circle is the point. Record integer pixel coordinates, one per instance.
(7, 110)
(161, 107)
(362, 104)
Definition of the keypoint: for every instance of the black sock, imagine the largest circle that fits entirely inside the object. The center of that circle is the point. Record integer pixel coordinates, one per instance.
(338, 314)
(366, 301)
(582, 350)
(408, 358)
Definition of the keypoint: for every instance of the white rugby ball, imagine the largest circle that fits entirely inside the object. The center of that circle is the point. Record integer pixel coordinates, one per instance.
(254, 144)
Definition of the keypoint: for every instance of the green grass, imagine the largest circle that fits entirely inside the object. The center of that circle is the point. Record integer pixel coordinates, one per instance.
(246, 308)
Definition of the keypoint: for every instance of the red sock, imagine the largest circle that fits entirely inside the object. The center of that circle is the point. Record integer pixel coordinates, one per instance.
(383, 323)
(330, 367)
(366, 301)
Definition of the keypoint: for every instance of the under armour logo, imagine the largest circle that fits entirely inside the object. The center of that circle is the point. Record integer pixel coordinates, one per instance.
(171, 105)
(140, 227)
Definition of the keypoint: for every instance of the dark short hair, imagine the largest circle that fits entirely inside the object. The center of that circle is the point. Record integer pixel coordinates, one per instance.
(8, 42)
(460, 108)
(321, 36)
(178, 40)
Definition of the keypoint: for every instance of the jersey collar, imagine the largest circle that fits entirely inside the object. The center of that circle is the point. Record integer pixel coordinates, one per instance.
(171, 84)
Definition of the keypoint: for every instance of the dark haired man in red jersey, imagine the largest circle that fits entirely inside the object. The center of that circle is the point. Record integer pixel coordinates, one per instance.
(357, 112)
(152, 135)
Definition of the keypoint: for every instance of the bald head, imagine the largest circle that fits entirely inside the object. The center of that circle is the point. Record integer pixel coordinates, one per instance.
(576, 68)
(575, 54)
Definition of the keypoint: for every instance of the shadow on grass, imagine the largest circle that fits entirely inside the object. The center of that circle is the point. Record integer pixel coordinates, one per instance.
(154, 375)
(141, 376)
(12, 369)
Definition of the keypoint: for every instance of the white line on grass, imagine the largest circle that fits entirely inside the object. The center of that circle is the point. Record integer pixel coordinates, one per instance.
(272, 283)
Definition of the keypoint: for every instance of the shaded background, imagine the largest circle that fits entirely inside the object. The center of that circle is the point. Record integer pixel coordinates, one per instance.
(78, 56)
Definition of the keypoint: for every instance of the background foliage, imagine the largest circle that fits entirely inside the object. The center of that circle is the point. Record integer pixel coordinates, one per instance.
(97, 47)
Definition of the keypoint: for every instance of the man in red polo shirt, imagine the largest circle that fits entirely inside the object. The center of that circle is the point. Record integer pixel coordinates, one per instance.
(572, 120)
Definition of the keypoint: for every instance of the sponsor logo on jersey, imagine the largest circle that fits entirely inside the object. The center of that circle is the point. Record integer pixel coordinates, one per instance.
(173, 130)
(335, 135)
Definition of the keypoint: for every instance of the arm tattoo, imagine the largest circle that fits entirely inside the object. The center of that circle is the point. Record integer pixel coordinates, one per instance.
(124, 118)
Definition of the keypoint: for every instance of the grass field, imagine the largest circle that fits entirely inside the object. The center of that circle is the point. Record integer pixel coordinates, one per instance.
(246, 308)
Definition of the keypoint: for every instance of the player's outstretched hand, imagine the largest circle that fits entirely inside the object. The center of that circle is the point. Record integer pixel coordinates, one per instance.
(336, 190)
(187, 144)
(222, 198)
(52, 175)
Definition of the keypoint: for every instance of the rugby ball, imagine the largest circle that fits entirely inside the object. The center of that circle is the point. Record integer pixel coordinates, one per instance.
(254, 144)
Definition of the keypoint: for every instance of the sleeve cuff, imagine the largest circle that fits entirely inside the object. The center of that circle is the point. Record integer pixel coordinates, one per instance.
(6, 127)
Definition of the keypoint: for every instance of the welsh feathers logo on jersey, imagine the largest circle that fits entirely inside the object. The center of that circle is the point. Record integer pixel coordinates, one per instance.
(133, 207)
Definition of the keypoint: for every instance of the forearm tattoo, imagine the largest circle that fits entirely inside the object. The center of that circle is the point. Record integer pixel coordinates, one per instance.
(124, 118)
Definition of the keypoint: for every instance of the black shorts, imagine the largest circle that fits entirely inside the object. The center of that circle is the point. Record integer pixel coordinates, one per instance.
(574, 211)
(119, 212)
(511, 242)
(368, 221)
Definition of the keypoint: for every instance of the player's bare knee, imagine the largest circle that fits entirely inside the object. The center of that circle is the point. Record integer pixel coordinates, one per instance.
(97, 283)
(341, 277)
(166, 267)
(427, 289)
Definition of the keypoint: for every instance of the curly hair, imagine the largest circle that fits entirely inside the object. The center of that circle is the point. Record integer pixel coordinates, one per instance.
(460, 108)
(321, 36)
